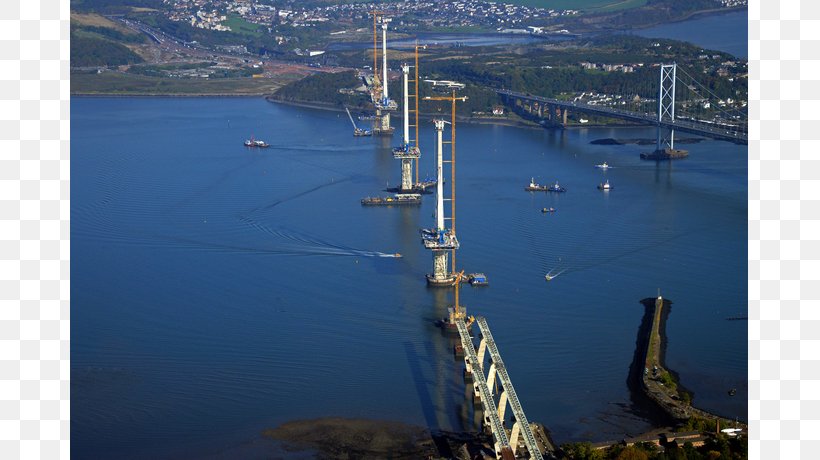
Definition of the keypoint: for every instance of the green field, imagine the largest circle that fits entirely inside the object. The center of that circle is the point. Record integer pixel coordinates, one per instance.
(592, 6)
(241, 26)
(117, 83)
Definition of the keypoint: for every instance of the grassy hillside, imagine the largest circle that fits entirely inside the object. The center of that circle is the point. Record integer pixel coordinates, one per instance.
(116, 83)
(88, 50)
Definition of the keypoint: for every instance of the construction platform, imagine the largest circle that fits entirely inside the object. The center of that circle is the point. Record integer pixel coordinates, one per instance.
(665, 154)
(416, 188)
(443, 282)
(398, 199)
(406, 152)
(439, 240)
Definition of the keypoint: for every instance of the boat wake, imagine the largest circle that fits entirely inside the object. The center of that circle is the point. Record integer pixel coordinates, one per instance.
(302, 244)
(554, 273)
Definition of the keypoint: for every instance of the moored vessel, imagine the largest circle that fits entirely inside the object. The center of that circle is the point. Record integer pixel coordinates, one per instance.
(556, 188)
(256, 143)
(397, 199)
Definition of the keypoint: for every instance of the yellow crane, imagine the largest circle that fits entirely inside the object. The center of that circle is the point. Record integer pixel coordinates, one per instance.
(416, 111)
(453, 98)
(376, 15)
(457, 312)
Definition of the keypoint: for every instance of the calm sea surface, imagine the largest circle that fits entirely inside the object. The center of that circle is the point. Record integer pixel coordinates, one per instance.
(218, 290)
(727, 32)
(723, 32)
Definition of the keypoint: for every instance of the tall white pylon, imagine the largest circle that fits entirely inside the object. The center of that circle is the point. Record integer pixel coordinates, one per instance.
(384, 61)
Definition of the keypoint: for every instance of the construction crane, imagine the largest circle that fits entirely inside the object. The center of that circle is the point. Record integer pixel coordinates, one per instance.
(416, 97)
(376, 15)
(457, 312)
(358, 132)
(453, 98)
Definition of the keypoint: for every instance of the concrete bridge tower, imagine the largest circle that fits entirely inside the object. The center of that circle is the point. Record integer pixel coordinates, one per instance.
(440, 239)
(405, 152)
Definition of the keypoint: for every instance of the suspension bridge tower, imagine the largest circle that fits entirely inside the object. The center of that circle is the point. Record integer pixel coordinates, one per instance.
(665, 146)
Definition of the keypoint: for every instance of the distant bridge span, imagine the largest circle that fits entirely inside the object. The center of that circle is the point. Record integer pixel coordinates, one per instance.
(722, 132)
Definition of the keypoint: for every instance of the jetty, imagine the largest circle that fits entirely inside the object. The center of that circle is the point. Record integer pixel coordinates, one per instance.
(657, 382)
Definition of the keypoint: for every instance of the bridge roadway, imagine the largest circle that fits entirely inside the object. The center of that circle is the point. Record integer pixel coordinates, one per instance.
(715, 132)
(512, 396)
(492, 413)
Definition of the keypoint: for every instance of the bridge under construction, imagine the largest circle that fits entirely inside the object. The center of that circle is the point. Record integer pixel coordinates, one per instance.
(519, 441)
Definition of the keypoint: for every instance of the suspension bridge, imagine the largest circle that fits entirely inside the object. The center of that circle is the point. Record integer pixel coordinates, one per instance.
(699, 110)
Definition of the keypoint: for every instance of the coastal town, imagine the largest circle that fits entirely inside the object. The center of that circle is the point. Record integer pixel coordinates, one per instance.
(407, 13)
(410, 15)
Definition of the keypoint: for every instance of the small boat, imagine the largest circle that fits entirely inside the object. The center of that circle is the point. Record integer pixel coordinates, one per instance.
(477, 279)
(733, 392)
(605, 186)
(550, 275)
(255, 143)
(603, 166)
(556, 188)
(397, 255)
(546, 210)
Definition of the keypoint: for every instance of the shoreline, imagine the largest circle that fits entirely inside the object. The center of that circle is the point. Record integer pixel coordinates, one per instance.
(651, 351)
(694, 15)
(166, 95)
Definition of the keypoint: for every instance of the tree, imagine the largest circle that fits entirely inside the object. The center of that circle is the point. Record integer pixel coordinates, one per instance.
(581, 451)
(632, 453)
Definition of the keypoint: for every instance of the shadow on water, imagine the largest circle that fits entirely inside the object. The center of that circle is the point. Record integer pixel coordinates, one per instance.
(425, 399)
(642, 405)
(663, 173)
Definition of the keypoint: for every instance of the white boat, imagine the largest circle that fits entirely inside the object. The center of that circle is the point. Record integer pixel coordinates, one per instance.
(603, 166)
(256, 143)
(605, 186)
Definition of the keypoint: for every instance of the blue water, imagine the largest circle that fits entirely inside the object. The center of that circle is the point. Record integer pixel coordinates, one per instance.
(723, 32)
(218, 290)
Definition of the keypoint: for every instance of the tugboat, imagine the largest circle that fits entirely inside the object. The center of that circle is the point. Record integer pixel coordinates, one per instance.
(254, 143)
(477, 279)
(533, 187)
(605, 186)
(556, 188)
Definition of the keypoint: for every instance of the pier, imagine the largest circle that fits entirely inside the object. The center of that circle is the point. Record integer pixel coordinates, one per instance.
(655, 378)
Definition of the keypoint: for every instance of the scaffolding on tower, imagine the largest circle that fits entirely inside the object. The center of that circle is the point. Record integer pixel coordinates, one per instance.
(441, 239)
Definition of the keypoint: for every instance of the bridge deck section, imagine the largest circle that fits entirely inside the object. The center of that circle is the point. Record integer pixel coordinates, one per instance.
(490, 410)
(729, 133)
(506, 383)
